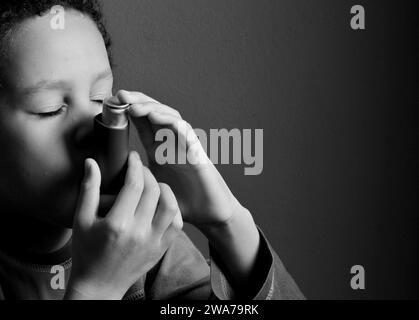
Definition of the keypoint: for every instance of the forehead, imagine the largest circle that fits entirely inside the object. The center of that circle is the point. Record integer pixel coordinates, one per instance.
(37, 51)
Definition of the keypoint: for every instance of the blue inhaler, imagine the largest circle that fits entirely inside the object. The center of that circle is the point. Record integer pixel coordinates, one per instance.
(111, 131)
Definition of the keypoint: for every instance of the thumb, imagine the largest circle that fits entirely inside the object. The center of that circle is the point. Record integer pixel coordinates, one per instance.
(89, 197)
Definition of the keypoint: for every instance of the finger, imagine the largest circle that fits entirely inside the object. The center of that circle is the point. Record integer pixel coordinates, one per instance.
(178, 221)
(145, 128)
(167, 209)
(143, 110)
(187, 136)
(187, 139)
(130, 194)
(88, 201)
(133, 97)
(163, 119)
(149, 200)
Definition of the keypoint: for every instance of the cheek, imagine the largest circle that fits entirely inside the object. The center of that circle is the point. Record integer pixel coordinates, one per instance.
(42, 155)
(37, 167)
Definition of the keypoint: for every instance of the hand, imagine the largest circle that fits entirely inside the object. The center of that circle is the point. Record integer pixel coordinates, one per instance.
(203, 196)
(111, 254)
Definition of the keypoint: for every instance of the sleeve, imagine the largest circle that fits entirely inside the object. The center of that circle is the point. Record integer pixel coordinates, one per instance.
(271, 279)
(184, 274)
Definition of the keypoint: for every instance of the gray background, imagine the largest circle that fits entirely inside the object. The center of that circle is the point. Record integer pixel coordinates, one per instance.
(336, 190)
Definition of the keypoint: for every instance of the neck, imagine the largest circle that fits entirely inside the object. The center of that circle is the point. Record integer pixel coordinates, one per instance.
(32, 237)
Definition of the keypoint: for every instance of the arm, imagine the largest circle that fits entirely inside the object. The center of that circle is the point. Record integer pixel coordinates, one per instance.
(235, 245)
(204, 197)
(184, 274)
(261, 276)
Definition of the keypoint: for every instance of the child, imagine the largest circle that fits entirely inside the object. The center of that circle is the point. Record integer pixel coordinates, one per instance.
(53, 83)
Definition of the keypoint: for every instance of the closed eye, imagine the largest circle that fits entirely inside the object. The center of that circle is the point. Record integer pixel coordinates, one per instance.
(53, 113)
(62, 109)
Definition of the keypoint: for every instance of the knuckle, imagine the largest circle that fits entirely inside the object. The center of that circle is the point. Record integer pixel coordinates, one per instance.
(151, 185)
(115, 228)
(122, 95)
(135, 163)
(183, 126)
(172, 208)
(178, 223)
(169, 199)
(154, 189)
(138, 236)
(164, 188)
(87, 185)
(147, 173)
(135, 185)
(189, 127)
(134, 182)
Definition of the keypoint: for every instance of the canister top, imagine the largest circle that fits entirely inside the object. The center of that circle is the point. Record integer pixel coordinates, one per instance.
(114, 114)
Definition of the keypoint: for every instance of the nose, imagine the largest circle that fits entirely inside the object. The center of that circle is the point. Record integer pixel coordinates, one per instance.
(83, 135)
(83, 114)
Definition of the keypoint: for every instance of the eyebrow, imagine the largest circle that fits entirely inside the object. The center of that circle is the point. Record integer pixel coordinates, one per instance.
(59, 84)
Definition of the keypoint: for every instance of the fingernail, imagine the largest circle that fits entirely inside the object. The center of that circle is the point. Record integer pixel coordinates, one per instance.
(114, 100)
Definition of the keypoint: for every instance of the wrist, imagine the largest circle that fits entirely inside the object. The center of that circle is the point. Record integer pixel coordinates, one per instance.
(238, 218)
(235, 244)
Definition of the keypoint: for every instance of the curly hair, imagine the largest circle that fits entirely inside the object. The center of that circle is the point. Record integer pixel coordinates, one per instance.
(13, 12)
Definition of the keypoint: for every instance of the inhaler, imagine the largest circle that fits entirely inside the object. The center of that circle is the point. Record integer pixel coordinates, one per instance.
(111, 130)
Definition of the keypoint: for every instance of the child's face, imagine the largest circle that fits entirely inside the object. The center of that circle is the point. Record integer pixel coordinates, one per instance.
(53, 81)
